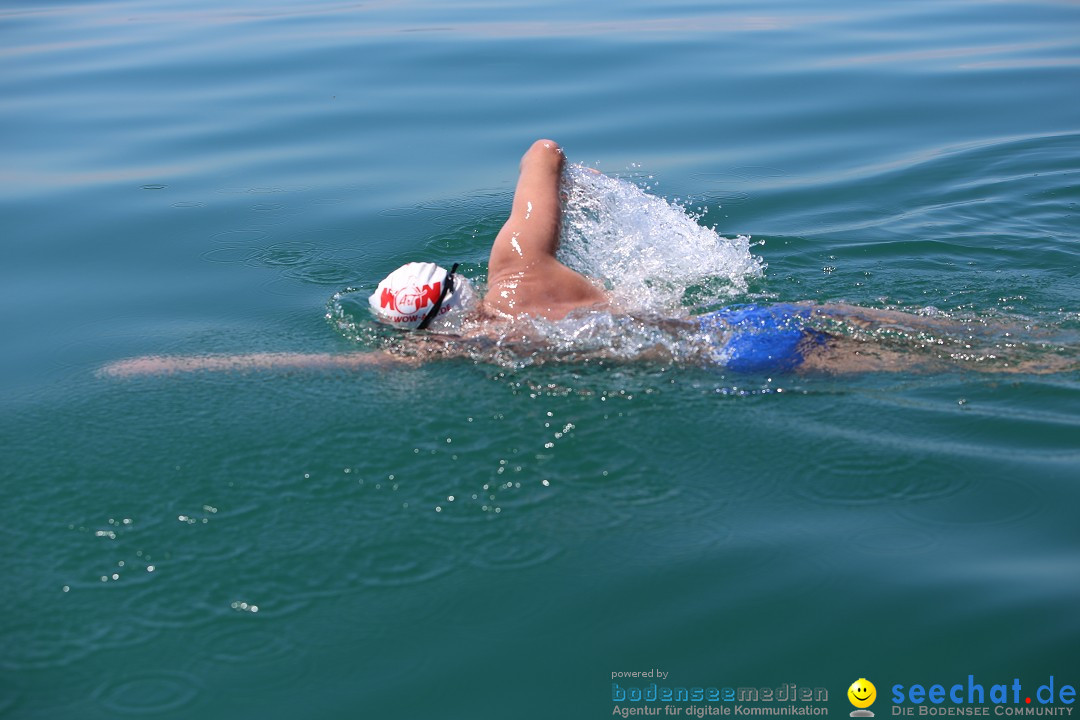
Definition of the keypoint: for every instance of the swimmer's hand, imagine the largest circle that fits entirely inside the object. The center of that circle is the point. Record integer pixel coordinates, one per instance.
(173, 364)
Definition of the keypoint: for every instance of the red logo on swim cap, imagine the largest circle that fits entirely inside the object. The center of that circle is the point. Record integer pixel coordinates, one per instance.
(410, 299)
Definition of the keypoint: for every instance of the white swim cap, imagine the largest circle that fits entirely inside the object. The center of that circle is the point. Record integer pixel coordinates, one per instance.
(418, 294)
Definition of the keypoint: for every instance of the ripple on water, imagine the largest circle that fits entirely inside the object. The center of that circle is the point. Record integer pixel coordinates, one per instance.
(52, 645)
(861, 473)
(678, 498)
(284, 286)
(87, 616)
(393, 563)
(248, 237)
(504, 546)
(323, 272)
(172, 608)
(730, 187)
(894, 540)
(1032, 169)
(637, 495)
(230, 253)
(277, 597)
(987, 501)
(689, 536)
(328, 256)
(450, 208)
(715, 488)
(245, 644)
(592, 514)
(268, 190)
(147, 693)
(287, 254)
(482, 504)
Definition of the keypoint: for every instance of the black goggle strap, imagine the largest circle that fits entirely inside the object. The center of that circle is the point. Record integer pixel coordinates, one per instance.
(447, 288)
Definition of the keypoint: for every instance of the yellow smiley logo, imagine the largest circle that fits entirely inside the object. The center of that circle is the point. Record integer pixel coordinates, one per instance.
(862, 693)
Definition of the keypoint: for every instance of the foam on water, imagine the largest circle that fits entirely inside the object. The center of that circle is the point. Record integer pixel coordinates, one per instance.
(648, 251)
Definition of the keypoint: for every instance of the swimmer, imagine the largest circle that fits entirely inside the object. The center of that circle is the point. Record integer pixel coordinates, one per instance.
(446, 317)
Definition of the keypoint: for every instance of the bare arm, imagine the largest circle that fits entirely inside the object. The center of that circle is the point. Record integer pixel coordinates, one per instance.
(524, 275)
(531, 234)
(173, 364)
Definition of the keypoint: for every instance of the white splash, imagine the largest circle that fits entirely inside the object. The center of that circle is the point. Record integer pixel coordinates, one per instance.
(647, 251)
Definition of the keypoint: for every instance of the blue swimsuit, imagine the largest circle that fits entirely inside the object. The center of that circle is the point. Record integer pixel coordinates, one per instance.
(761, 339)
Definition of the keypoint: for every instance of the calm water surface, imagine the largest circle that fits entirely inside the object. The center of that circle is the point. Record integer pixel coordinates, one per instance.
(473, 541)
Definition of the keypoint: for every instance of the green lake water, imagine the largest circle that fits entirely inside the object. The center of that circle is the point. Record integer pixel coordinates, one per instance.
(485, 540)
